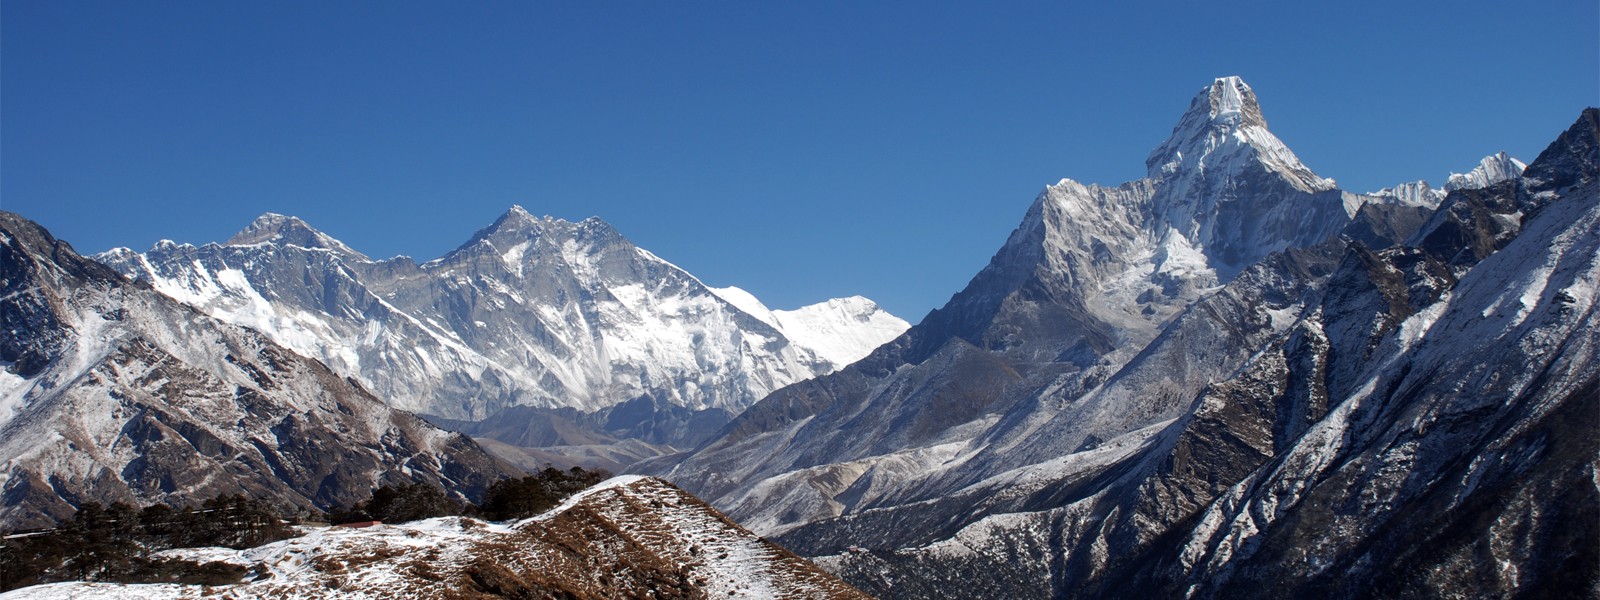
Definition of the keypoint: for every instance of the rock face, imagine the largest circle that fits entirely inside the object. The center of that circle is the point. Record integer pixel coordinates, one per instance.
(531, 312)
(114, 392)
(625, 538)
(1227, 379)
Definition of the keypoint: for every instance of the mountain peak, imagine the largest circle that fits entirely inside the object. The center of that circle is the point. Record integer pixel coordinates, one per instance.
(1572, 160)
(514, 218)
(271, 221)
(1412, 193)
(517, 227)
(519, 220)
(1493, 169)
(276, 229)
(1222, 133)
(1233, 103)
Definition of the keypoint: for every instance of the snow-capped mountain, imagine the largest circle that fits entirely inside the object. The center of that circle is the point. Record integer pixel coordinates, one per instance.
(531, 312)
(1492, 169)
(840, 331)
(628, 537)
(1413, 193)
(1147, 383)
(114, 392)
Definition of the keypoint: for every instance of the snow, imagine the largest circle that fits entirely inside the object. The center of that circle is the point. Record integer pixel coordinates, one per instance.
(99, 591)
(1417, 325)
(1229, 105)
(13, 390)
(203, 555)
(1178, 257)
(513, 257)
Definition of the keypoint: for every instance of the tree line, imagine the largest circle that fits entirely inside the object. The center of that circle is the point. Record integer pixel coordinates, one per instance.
(505, 499)
(115, 543)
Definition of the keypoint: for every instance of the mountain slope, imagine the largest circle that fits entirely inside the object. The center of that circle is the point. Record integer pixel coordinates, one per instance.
(531, 312)
(114, 392)
(625, 538)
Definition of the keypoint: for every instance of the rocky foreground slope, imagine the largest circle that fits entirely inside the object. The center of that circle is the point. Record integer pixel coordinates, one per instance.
(629, 537)
(113, 392)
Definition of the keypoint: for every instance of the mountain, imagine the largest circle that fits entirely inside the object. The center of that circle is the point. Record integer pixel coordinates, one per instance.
(628, 537)
(1089, 279)
(1403, 209)
(531, 317)
(1228, 378)
(1414, 194)
(1415, 433)
(1491, 170)
(114, 392)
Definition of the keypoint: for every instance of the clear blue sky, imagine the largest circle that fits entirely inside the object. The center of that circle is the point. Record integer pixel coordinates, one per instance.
(800, 150)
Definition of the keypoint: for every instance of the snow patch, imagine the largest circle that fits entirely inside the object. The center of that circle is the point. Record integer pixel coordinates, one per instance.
(513, 257)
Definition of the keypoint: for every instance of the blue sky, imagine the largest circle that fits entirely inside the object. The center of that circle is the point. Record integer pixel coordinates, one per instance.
(801, 150)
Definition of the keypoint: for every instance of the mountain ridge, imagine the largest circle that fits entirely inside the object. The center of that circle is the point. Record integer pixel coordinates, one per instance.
(529, 311)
